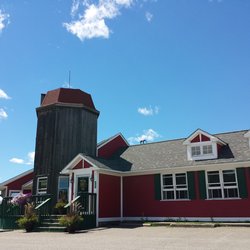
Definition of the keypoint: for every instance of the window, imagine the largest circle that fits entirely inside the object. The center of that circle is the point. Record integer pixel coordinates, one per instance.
(207, 149)
(175, 186)
(196, 151)
(222, 184)
(201, 150)
(42, 183)
(63, 187)
(14, 193)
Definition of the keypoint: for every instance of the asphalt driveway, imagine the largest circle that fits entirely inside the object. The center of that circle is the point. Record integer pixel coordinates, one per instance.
(131, 238)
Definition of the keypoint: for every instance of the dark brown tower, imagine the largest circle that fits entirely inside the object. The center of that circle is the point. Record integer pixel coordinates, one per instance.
(66, 126)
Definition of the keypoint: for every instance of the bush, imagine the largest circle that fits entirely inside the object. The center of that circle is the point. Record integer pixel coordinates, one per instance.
(59, 207)
(71, 221)
(29, 220)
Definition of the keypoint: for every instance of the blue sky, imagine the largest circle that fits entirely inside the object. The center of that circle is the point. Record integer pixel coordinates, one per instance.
(155, 69)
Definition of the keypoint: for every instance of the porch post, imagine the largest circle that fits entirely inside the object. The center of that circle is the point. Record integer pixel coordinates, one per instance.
(121, 197)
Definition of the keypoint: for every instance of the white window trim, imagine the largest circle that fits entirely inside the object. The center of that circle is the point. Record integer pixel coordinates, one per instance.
(174, 187)
(14, 191)
(37, 190)
(202, 156)
(222, 185)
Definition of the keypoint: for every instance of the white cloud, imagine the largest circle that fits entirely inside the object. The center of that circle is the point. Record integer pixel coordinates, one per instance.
(149, 16)
(3, 95)
(149, 135)
(91, 24)
(3, 114)
(4, 19)
(29, 161)
(17, 160)
(148, 111)
(31, 157)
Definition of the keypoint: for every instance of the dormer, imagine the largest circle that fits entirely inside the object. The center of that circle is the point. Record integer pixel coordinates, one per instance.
(247, 135)
(202, 146)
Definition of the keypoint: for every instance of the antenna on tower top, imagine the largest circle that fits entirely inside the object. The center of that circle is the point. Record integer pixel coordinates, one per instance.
(69, 78)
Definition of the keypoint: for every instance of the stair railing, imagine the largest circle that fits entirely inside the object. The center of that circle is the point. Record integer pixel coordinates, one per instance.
(43, 209)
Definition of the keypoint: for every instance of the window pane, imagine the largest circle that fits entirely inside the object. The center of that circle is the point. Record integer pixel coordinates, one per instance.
(168, 181)
(229, 176)
(42, 184)
(63, 182)
(180, 179)
(214, 193)
(213, 177)
(207, 149)
(195, 150)
(168, 195)
(231, 192)
(181, 194)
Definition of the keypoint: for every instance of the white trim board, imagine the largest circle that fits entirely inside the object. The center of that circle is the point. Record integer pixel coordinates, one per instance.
(175, 219)
(201, 219)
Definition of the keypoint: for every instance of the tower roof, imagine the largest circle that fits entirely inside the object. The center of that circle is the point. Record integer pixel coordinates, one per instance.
(72, 96)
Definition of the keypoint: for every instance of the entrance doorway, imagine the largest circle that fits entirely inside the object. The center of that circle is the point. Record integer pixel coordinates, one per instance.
(82, 184)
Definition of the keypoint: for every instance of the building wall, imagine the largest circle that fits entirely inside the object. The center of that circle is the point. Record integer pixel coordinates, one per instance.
(139, 201)
(109, 196)
(17, 184)
(107, 150)
(62, 133)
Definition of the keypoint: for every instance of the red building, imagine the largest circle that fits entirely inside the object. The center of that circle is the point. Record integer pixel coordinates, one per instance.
(202, 177)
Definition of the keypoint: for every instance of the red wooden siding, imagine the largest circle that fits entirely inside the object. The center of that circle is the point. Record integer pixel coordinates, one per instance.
(111, 147)
(204, 138)
(196, 139)
(86, 164)
(139, 201)
(17, 184)
(82, 164)
(78, 165)
(109, 196)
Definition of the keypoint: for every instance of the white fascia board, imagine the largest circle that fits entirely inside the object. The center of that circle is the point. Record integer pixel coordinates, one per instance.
(27, 184)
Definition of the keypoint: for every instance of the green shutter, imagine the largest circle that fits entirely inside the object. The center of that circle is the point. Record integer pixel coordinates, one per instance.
(191, 185)
(202, 185)
(241, 177)
(157, 179)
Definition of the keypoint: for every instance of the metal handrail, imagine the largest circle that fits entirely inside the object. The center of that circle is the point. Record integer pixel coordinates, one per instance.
(73, 201)
(42, 204)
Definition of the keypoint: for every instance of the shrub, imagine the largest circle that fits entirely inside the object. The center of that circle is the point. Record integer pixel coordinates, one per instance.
(71, 221)
(29, 220)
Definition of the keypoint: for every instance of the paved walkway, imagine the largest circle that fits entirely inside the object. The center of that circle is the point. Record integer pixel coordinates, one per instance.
(147, 238)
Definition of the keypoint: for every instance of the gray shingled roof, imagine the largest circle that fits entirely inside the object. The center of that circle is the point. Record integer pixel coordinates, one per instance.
(171, 154)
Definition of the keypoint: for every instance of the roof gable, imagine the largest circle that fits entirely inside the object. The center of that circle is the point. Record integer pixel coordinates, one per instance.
(200, 136)
(76, 163)
(5, 183)
(104, 142)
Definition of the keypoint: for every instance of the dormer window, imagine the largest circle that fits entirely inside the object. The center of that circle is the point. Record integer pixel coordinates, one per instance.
(207, 149)
(201, 150)
(196, 150)
(202, 146)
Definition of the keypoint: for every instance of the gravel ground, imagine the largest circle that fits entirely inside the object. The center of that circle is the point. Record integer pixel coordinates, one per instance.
(131, 238)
